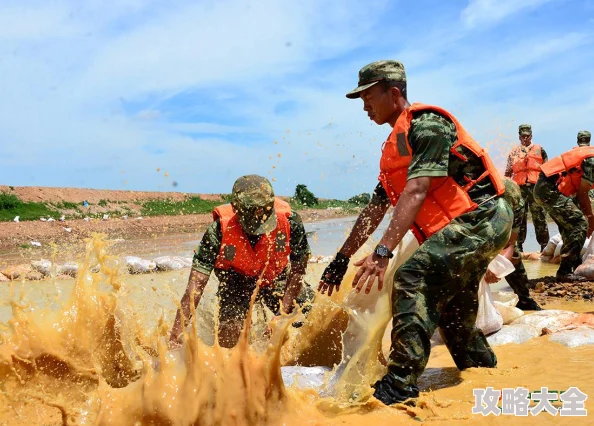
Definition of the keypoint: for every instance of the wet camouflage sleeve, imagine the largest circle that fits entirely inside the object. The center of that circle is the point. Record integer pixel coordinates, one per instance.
(513, 196)
(431, 136)
(588, 168)
(208, 250)
(545, 157)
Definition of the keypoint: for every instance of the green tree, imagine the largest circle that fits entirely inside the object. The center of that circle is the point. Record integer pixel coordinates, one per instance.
(305, 196)
(361, 199)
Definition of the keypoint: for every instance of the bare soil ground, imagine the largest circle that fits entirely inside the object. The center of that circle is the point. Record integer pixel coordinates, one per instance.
(16, 238)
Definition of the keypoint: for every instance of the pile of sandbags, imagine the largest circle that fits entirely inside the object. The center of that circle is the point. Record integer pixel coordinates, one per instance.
(552, 252)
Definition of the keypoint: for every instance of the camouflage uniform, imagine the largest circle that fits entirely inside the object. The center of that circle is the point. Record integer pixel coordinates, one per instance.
(583, 138)
(438, 286)
(518, 280)
(235, 289)
(537, 213)
(568, 216)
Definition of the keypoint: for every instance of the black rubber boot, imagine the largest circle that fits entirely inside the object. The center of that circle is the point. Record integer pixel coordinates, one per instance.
(528, 304)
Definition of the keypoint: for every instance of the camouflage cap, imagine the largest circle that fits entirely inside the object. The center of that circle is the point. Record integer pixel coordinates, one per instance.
(375, 72)
(583, 137)
(525, 129)
(253, 200)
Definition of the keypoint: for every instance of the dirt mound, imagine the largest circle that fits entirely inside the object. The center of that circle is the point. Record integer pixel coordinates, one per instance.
(547, 288)
(78, 195)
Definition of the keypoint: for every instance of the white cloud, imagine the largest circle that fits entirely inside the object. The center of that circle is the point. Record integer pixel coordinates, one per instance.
(485, 12)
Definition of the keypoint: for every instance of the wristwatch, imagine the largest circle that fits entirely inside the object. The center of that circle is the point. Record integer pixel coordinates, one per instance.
(383, 251)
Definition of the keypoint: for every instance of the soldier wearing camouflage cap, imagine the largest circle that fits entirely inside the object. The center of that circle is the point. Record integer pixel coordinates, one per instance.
(523, 166)
(583, 138)
(256, 241)
(449, 194)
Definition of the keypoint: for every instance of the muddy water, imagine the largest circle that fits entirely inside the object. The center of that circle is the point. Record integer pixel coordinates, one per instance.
(92, 351)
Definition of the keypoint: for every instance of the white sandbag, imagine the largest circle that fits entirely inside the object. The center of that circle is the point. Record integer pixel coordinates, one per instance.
(69, 268)
(42, 266)
(573, 338)
(305, 377)
(488, 318)
(554, 241)
(586, 269)
(169, 263)
(552, 319)
(515, 333)
(558, 250)
(505, 302)
(362, 340)
(589, 251)
(136, 265)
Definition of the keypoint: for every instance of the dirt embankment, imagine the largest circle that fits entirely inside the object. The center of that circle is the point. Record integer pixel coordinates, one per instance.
(19, 240)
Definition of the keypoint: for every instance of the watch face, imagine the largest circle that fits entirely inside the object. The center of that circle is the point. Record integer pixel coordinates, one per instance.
(382, 251)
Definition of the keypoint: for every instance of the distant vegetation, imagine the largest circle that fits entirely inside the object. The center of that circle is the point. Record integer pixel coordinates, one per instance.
(11, 206)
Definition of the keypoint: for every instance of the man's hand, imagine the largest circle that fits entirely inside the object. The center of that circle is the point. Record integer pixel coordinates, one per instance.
(333, 274)
(370, 267)
(490, 277)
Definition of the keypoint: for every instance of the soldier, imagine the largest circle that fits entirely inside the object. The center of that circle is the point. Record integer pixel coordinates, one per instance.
(570, 174)
(445, 188)
(256, 240)
(517, 280)
(523, 165)
(583, 138)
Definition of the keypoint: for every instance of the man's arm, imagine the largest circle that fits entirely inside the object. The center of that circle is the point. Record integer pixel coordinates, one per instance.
(196, 284)
(367, 222)
(585, 204)
(294, 283)
(404, 215)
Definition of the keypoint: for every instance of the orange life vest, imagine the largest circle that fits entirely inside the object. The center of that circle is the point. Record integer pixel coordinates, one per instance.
(526, 165)
(445, 200)
(270, 255)
(569, 168)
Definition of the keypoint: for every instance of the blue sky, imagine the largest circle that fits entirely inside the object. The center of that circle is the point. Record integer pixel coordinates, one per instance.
(139, 94)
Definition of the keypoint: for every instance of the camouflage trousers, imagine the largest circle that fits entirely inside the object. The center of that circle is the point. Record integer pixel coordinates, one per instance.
(568, 217)
(518, 280)
(438, 288)
(538, 215)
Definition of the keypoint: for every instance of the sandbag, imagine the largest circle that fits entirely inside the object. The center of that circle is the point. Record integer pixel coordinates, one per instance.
(488, 318)
(586, 269)
(136, 265)
(589, 251)
(552, 319)
(42, 266)
(514, 333)
(305, 377)
(573, 338)
(554, 241)
(68, 268)
(169, 263)
(505, 302)
(362, 340)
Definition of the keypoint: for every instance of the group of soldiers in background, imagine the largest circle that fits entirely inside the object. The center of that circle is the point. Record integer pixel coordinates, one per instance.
(562, 192)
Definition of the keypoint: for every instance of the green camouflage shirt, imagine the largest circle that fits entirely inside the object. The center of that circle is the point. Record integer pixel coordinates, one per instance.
(513, 196)
(208, 249)
(431, 137)
(588, 168)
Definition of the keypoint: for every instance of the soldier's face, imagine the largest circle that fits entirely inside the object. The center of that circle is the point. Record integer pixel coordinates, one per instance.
(379, 104)
(526, 139)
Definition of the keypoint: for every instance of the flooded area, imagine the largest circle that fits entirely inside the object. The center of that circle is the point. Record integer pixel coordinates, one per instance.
(91, 351)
